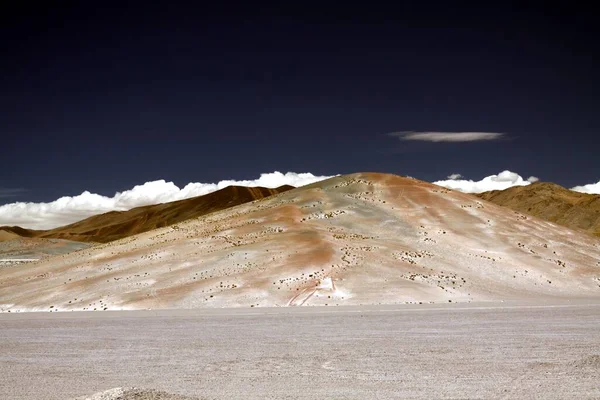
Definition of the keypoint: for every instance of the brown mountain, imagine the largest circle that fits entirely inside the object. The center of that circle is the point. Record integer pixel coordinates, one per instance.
(119, 224)
(553, 203)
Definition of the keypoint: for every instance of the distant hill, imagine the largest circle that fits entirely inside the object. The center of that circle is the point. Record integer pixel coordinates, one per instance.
(553, 203)
(7, 235)
(115, 225)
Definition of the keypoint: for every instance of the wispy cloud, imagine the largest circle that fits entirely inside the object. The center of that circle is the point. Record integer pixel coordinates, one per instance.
(69, 209)
(8, 192)
(454, 177)
(447, 136)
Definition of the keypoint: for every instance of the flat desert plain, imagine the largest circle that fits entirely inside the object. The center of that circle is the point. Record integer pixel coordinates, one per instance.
(496, 350)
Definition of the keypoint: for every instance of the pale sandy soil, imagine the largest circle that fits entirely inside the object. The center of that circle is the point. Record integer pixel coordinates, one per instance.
(351, 240)
(507, 350)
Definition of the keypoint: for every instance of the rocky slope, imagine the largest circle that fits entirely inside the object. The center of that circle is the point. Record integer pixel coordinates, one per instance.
(553, 203)
(36, 248)
(357, 239)
(7, 235)
(119, 224)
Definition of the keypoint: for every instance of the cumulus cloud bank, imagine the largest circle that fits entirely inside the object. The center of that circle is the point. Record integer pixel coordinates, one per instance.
(447, 136)
(592, 188)
(503, 180)
(69, 209)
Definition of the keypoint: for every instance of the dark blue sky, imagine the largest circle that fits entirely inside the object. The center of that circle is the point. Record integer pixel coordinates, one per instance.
(103, 99)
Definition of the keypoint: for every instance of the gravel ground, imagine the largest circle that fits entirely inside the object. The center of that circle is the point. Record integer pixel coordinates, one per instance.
(494, 351)
(134, 394)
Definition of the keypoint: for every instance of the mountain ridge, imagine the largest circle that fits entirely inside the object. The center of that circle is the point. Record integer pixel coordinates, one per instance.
(553, 203)
(355, 239)
(115, 225)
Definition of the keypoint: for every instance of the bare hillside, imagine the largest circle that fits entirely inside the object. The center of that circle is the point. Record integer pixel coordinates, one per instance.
(553, 203)
(357, 239)
(115, 225)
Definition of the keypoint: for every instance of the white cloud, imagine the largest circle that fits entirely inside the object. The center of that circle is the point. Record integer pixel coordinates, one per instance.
(69, 209)
(454, 177)
(533, 179)
(447, 136)
(592, 188)
(503, 180)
